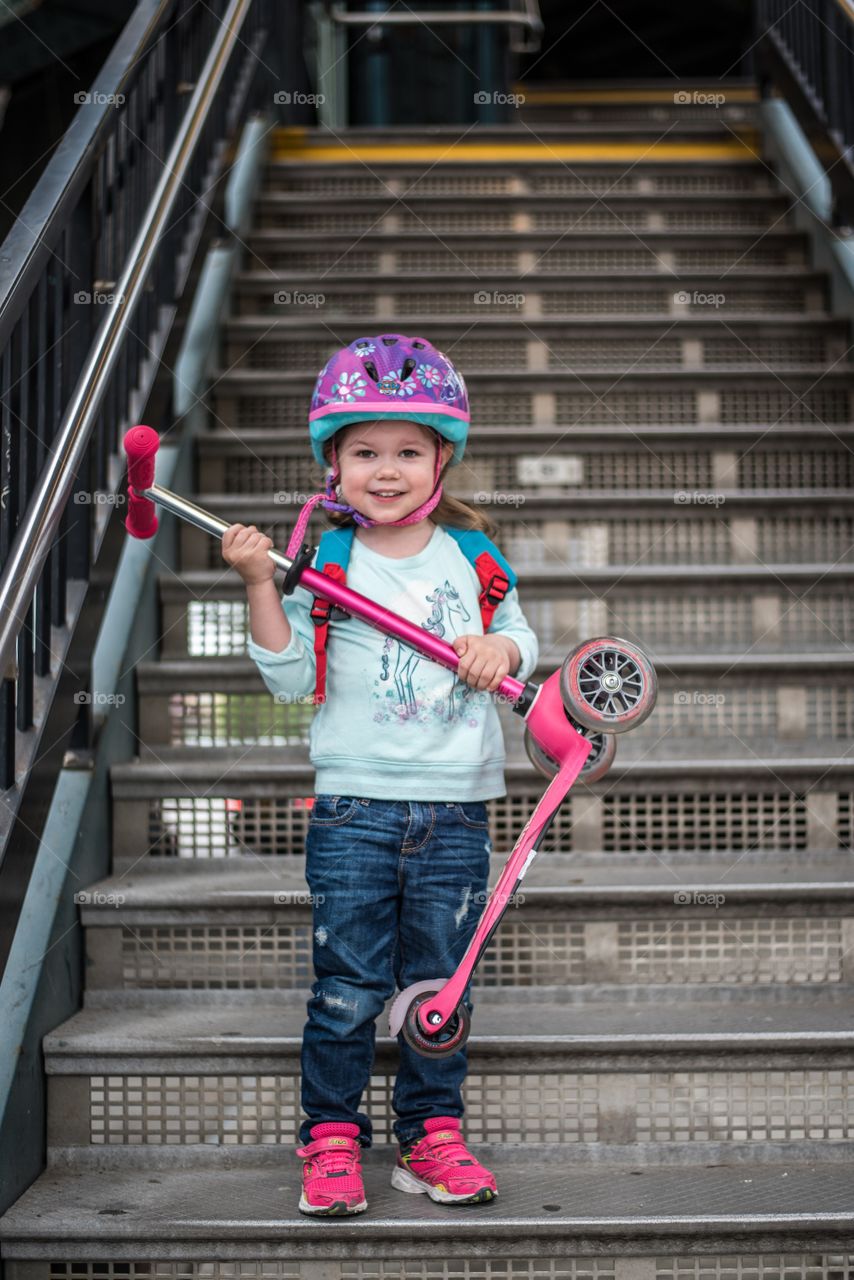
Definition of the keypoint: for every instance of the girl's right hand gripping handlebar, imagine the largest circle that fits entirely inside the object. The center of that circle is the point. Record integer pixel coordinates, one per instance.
(605, 687)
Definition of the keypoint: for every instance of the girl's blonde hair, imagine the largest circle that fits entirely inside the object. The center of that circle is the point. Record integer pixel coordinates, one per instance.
(448, 510)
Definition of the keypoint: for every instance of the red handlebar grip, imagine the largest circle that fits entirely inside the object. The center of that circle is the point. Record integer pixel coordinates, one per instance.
(141, 445)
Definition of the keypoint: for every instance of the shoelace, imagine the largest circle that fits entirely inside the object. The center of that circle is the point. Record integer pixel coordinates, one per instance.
(336, 1160)
(452, 1150)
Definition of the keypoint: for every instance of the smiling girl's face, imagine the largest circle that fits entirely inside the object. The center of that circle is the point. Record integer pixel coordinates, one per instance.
(387, 467)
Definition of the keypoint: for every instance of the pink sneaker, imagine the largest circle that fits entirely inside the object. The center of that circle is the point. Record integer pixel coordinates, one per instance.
(441, 1165)
(332, 1172)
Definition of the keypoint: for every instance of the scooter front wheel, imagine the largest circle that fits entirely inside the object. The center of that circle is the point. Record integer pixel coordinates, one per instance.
(448, 1041)
(595, 766)
(608, 684)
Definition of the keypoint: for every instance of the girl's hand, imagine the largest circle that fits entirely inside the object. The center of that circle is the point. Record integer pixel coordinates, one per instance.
(485, 660)
(245, 549)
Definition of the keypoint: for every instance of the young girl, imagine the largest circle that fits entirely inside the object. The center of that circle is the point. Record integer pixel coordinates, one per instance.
(405, 753)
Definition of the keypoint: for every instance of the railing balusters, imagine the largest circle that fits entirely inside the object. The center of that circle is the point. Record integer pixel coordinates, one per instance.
(72, 242)
(807, 51)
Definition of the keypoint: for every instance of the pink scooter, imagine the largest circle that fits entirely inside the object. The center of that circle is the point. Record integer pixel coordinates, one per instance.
(605, 687)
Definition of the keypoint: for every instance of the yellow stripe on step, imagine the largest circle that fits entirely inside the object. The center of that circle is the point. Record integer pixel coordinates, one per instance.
(467, 153)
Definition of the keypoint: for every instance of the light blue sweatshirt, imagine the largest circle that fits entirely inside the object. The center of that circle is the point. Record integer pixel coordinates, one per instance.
(396, 725)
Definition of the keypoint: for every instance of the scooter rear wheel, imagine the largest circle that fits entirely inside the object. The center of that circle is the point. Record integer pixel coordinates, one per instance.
(449, 1040)
(608, 684)
(595, 766)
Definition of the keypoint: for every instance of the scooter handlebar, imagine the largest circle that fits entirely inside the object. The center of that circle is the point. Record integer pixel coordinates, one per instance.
(141, 445)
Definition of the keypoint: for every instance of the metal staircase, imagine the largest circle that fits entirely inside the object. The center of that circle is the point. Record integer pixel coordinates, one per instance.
(662, 1061)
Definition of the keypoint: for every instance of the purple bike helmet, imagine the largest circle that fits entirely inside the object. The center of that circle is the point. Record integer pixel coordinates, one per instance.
(388, 377)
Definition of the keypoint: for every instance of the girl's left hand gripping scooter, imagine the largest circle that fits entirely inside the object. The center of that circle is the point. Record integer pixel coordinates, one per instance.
(604, 687)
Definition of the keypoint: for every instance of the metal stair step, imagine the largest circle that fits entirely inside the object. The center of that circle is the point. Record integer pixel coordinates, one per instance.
(745, 1072)
(773, 610)
(442, 296)
(718, 699)
(576, 254)
(747, 324)
(101, 1041)
(745, 178)
(759, 527)
(273, 200)
(256, 398)
(230, 801)
(509, 342)
(506, 150)
(500, 464)
(266, 765)
(690, 239)
(608, 995)
(617, 211)
(338, 141)
(576, 921)
(556, 882)
(555, 1206)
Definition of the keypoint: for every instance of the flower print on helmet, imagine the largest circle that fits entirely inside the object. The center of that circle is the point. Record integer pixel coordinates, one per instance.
(349, 385)
(428, 375)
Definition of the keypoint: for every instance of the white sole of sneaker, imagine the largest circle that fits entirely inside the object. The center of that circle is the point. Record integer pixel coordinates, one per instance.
(403, 1180)
(330, 1211)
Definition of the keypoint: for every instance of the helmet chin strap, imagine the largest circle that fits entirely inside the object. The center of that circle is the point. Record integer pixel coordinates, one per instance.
(419, 513)
(329, 500)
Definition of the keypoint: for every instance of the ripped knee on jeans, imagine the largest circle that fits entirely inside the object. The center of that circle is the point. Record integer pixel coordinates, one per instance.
(354, 1005)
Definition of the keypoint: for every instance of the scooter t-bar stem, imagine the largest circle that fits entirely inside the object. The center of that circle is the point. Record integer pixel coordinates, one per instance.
(141, 445)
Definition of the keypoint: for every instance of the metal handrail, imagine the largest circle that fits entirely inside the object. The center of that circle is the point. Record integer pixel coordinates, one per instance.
(38, 527)
(529, 18)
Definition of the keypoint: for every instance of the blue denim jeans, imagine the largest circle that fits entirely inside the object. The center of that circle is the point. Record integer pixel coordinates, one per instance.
(398, 889)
